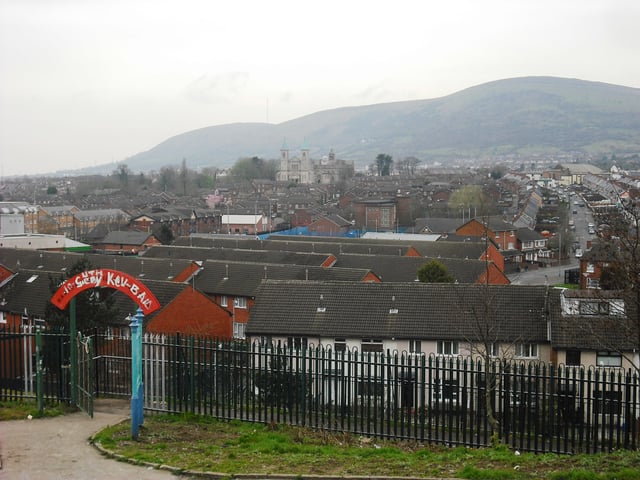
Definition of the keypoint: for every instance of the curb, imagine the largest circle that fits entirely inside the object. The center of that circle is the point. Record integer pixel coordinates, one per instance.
(244, 476)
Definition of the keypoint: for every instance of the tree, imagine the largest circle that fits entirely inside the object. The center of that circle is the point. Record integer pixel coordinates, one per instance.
(469, 197)
(52, 190)
(94, 307)
(383, 164)
(434, 272)
(122, 173)
(164, 234)
(254, 168)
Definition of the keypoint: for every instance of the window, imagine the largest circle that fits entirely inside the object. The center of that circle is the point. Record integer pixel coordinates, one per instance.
(593, 307)
(526, 350)
(608, 359)
(591, 268)
(370, 387)
(340, 345)
(415, 346)
(3, 317)
(494, 350)
(573, 358)
(297, 343)
(447, 347)
(445, 390)
(224, 302)
(240, 302)
(385, 217)
(371, 345)
(238, 330)
(593, 283)
(607, 402)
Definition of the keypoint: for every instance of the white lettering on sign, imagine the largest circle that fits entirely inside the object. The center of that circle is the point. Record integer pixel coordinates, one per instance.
(109, 279)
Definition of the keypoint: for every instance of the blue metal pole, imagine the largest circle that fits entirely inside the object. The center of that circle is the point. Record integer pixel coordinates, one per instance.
(137, 392)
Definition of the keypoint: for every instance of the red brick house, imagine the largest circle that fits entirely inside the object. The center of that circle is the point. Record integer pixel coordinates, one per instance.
(330, 226)
(503, 233)
(193, 313)
(126, 242)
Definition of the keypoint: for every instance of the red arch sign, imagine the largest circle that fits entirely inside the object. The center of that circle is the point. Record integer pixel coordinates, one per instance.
(104, 277)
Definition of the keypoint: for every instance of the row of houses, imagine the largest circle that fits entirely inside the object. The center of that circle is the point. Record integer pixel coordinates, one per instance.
(346, 294)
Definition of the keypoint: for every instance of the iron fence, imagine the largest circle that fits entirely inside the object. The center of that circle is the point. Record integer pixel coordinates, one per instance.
(430, 399)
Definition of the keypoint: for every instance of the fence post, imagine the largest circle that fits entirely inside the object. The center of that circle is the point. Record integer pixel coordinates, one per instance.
(73, 351)
(39, 392)
(137, 393)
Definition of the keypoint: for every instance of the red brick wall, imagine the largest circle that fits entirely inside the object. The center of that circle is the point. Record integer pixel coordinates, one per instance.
(193, 313)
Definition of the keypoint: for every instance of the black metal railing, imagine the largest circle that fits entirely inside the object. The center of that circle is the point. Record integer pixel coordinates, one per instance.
(432, 399)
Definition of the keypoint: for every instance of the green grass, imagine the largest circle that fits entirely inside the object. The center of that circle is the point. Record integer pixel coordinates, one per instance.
(14, 410)
(205, 444)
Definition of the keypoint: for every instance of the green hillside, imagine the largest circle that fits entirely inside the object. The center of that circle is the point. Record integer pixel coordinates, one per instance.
(520, 115)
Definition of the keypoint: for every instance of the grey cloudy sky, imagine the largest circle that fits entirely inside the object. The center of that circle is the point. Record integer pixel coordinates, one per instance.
(88, 82)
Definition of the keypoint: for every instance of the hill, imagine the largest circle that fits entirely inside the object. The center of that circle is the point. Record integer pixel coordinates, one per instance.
(514, 116)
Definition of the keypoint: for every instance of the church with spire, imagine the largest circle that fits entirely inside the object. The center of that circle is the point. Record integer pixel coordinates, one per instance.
(303, 169)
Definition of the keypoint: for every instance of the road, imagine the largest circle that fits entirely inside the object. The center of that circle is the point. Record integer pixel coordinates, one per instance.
(58, 447)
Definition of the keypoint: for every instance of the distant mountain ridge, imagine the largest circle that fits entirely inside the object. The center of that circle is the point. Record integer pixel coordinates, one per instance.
(513, 116)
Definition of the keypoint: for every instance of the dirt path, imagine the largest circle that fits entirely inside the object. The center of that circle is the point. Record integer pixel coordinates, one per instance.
(58, 448)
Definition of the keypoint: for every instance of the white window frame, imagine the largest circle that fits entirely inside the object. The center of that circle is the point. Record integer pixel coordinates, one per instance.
(224, 301)
(415, 347)
(239, 330)
(526, 350)
(608, 359)
(448, 348)
(3, 317)
(240, 302)
(372, 345)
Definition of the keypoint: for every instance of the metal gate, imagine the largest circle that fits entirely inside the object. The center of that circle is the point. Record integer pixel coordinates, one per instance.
(85, 383)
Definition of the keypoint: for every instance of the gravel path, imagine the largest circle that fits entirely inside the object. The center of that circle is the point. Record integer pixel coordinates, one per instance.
(58, 448)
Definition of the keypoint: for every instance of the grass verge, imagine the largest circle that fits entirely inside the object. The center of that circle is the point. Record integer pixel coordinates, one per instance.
(205, 444)
(13, 410)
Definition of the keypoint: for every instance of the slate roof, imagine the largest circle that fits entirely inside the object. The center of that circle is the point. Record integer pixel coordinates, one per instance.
(528, 235)
(164, 291)
(437, 225)
(243, 279)
(28, 289)
(231, 254)
(126, 237)
(148, 268)
(31, 290)
(596, 332)
(424, 311)
(405, 269)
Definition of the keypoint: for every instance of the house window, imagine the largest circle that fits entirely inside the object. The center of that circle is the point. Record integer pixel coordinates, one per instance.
(340, 345)
(494, 350)
(607, 402)
(445, 390)
(240, 302)
(573, 358)
(238, 330)
(593, 307)
(447, 347)
(370, 387)
(3, 317)
(593, 283)
(526, 350)
(590, 268)
(371, 345)
(415, 346)
(297, 343)
(224, 302)
(608, 359)
(385, 217)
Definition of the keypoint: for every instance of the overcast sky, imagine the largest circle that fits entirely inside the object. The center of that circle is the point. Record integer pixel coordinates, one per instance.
(88, 82)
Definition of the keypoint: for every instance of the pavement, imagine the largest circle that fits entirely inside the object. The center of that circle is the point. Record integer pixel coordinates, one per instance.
(59, 448)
